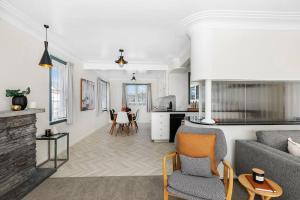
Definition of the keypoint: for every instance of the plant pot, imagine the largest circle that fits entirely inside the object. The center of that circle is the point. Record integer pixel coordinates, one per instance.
(21, 101)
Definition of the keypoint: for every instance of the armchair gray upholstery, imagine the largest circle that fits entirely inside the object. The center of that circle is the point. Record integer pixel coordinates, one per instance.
(195, 187)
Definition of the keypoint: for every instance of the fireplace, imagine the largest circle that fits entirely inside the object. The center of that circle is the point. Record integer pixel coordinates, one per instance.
(18, 172)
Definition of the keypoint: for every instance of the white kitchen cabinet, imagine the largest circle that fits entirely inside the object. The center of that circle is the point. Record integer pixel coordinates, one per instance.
(160, 126)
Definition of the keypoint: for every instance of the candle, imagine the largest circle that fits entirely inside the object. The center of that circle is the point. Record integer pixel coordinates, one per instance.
(258, 175)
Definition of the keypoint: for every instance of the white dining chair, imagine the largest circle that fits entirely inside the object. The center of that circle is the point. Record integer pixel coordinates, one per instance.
(122, 120)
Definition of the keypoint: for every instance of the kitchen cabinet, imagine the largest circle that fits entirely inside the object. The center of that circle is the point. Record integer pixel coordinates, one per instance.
(160, 126)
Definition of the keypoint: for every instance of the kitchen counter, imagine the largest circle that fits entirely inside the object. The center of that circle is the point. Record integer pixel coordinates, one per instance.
(174, 111)
(197, 120)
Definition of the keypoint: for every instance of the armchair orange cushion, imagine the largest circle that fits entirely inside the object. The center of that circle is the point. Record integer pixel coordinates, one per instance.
(197, 146)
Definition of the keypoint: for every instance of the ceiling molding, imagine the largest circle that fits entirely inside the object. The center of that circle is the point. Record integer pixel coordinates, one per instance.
(244, 19)
(21, 21)
(129, 66)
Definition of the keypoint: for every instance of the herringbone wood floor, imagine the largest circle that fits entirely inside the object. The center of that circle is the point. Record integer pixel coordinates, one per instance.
(101, 154)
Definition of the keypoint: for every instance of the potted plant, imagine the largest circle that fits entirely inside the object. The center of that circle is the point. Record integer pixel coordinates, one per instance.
(18, 97)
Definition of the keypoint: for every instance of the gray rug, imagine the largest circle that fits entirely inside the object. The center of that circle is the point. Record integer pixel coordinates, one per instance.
(108, 188)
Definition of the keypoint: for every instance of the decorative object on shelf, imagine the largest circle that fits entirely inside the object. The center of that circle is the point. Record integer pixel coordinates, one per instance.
(258, 175)
(87, 95)
(46, 60)
(18, 97)
(15, 107)
(133, 79)
(48, 132)
(121, 60)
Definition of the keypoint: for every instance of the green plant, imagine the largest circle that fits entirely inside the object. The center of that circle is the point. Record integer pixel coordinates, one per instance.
(17, 93)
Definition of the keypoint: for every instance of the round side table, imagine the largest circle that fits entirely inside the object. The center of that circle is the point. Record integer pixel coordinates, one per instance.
(264, 195)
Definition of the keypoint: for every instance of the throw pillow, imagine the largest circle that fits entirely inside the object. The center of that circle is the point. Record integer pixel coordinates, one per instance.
(198, 146)
(195, 166)
(293, 147)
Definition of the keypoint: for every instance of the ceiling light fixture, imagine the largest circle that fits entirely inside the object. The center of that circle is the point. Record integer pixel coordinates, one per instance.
(46, 60)
(121, 60)
(133, 79)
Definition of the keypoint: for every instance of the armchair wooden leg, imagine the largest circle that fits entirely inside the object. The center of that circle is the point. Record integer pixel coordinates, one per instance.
(166, 194)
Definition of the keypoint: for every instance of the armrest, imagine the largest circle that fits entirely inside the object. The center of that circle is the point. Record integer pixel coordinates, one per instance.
(249, 154)
(228, 179)
(172, 156)
(281, 167)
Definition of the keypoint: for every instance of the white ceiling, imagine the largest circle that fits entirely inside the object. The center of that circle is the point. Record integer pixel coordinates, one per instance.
(127, 74)
(149, 31)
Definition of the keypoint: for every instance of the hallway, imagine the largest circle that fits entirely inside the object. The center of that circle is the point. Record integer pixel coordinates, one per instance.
(101, 154)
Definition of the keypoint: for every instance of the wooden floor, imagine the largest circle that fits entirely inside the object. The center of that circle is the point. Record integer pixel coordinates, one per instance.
(101, 154)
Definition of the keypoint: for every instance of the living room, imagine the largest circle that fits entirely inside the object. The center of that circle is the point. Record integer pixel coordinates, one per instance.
(96, 94)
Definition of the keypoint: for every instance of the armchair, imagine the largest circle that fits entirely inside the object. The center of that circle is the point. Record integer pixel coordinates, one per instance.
(199, 188)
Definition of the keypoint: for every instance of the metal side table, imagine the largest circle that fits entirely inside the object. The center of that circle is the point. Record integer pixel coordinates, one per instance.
(55, 138)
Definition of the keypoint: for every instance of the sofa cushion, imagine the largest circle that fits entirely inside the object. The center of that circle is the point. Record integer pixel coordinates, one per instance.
(293, 147)
(195, 166)
(196, 187)
(278, 139)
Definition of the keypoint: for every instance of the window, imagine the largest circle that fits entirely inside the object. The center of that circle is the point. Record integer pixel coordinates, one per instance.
(58, 100)
(194, 93)
(136, 94)
(103, 95)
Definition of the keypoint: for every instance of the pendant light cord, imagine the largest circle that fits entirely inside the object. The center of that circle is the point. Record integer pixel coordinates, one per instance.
(46, 27)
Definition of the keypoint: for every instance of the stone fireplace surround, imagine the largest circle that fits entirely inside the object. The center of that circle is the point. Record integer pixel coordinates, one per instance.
(18, 172)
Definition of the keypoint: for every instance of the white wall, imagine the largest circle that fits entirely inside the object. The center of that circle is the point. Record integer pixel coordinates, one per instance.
(19, 56)
(178, 86)
(244, 53)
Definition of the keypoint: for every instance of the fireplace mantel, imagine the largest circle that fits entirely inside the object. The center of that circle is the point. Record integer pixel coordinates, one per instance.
(9, 113)
(18, 174)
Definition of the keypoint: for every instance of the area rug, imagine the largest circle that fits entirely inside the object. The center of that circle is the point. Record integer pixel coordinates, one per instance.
(108, 188)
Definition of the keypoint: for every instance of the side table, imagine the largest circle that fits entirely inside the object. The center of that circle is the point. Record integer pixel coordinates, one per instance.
(264, 195)
(55, 138)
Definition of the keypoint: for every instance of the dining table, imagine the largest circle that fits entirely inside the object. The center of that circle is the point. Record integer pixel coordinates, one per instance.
(130, 116)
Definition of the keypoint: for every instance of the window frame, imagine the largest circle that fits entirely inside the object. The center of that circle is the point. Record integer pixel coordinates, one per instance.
(136, 95)
(51, 122)
(100, 95)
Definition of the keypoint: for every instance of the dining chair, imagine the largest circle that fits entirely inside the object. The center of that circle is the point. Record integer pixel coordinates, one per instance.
(135, 118)
(123, 121)
(113, 121)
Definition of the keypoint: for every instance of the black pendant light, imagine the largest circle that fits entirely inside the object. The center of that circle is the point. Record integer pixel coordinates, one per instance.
(133, 79)
(121, 60)
(46, 60)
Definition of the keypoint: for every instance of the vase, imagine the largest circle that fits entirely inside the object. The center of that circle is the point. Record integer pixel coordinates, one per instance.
(20, 100)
